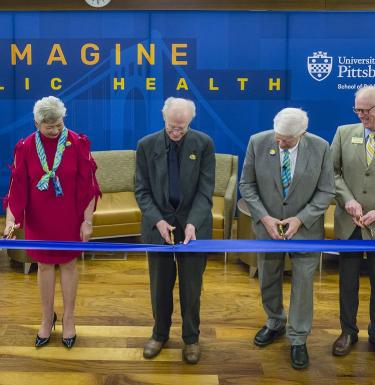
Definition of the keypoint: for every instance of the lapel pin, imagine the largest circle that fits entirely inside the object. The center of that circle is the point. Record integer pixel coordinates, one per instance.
(68, 143)
(272, 151)
(192, 157)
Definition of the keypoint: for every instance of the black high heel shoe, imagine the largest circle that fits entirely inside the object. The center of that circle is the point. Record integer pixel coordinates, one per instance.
(70, 341)
(40, 341)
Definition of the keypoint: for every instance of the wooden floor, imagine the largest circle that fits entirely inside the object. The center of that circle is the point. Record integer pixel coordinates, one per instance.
(114, 320)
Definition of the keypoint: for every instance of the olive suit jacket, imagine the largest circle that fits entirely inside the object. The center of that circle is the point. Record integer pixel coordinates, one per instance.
(353, 178)
(197, 183)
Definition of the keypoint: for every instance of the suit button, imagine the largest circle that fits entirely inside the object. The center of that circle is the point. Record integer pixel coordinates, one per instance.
(367, 174)
(285, 204)
(364, 192)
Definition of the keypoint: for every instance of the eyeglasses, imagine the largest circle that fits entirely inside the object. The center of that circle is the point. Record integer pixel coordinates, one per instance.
(362, 111)
(179, 130)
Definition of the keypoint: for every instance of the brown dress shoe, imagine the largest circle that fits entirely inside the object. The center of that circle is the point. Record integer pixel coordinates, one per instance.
(343, 345)
(152, 348)
(191, 353)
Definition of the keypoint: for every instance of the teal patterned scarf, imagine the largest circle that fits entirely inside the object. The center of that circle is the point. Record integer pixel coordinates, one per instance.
(44, 180)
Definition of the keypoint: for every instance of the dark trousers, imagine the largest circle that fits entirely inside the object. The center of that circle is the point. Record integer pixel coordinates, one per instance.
(350, 265)
(163, 270)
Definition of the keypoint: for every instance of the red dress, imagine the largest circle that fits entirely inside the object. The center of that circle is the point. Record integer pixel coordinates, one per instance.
(43, 215)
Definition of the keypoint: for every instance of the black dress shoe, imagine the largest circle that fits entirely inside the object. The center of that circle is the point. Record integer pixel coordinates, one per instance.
(299, 356)
(265, 336)
(41, 341)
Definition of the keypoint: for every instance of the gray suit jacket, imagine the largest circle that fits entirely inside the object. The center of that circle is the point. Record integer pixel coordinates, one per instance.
(353, 178)
(311, 191)
(197, 177)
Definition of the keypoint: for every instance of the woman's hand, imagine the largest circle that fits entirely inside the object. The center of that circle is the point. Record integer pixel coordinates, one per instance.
(86, 230)
(9, 230)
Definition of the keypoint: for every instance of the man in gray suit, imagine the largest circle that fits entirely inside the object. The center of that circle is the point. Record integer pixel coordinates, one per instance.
(175, 179)
(353, 151)
(287, 182)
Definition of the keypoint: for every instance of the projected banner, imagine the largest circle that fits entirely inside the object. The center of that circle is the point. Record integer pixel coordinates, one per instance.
(114, 69)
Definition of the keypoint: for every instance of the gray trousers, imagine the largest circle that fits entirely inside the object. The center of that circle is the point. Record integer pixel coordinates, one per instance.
(270, 272)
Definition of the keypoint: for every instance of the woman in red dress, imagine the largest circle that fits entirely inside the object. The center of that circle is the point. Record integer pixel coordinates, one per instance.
(52, 194)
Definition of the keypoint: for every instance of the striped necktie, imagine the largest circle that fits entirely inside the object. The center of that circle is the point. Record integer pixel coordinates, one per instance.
(370, 149)
(286, 176)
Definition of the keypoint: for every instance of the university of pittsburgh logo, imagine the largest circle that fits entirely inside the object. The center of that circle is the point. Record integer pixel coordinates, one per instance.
(319, 65)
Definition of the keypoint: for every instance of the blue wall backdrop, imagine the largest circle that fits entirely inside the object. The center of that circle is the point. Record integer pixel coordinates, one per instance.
(239, 67)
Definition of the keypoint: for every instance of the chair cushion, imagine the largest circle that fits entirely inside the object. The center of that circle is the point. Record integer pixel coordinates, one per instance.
(117, 208)
(217, 234)
(116, 170)
(116, 230)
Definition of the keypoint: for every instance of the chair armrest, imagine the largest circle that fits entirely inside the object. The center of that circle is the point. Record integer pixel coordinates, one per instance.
(230, 199)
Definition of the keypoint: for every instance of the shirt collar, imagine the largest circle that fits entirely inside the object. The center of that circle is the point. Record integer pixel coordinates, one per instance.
(368, 132)
(291, 150)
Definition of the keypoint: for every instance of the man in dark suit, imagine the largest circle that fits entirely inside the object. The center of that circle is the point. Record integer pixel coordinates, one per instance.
(175, 179)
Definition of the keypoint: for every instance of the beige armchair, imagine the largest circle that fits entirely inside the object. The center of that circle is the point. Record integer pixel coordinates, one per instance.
(117, 213)
(225, 195)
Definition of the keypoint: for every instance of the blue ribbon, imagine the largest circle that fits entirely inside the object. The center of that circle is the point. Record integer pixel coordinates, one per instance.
(240, 246)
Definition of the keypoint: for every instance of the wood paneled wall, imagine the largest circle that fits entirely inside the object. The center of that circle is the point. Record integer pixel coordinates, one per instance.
(191, 5)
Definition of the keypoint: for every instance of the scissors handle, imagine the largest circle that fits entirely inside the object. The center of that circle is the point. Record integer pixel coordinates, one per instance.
(281, 230)
(171, 235)
(11, 231)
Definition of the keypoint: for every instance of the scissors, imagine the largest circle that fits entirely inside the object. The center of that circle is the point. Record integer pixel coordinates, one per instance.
(11, 231)
(171, 235)
(370, 229)
(281, 231)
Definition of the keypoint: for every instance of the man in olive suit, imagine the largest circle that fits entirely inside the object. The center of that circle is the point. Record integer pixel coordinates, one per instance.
(287, 180)
(353, 151)
(175, 179)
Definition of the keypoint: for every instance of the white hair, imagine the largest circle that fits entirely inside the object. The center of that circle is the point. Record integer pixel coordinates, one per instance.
(290, 122)
(367, 90)
(179, 104)
(48, 110)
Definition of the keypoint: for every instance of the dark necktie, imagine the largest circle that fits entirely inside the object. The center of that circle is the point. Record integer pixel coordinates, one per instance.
(174, 175)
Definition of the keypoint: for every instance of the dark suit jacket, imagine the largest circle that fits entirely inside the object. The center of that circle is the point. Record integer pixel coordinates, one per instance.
(197, 177)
